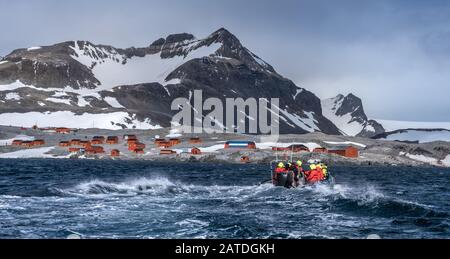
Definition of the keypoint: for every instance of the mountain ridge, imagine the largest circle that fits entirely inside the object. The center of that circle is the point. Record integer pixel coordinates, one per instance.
(79, 77)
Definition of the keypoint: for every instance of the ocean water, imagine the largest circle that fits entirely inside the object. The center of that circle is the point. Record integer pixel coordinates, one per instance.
(138, 199)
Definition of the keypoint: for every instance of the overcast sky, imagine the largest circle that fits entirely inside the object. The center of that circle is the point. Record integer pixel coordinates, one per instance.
(395, 55)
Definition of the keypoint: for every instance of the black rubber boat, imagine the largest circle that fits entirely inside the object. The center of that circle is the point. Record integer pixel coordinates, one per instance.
(287, 180)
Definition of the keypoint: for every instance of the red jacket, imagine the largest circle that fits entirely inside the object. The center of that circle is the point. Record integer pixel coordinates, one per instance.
(280, 170)
(314, 176)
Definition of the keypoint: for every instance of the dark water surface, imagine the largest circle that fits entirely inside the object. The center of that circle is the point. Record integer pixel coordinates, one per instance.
(138, 199)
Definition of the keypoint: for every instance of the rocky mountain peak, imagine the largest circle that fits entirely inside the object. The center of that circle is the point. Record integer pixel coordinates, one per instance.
(347, 113)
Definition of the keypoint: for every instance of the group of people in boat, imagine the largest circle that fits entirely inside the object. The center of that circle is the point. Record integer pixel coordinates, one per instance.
(317, 172)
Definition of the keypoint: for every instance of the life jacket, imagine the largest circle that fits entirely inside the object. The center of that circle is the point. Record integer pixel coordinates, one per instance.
(280, 170)
(314, 176)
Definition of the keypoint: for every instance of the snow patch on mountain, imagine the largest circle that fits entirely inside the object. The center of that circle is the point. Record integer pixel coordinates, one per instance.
(391, 125)
(69, 119)
(113, 69)
(33, 48)
(345, 143)
(113, 102)
(422, 136)
(58, 100)
(13, 96)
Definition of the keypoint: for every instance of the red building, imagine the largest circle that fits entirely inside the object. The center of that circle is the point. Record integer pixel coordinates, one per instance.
(136, 145)
(128, 137)
(112, 140)
(17, 142)
(27, 144)
(38, 142)
(320, 150)
(64, 144)
(139, 151)
(95, 150)
(75, 142)
(174, 141)
(115, 153)
(164, 144)
(195, 141)
(62, 130)
(85, 143)
(96, 142)
(74, 150)
(350, 152)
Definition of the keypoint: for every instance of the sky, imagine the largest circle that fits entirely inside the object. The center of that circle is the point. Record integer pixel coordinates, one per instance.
(394, 55)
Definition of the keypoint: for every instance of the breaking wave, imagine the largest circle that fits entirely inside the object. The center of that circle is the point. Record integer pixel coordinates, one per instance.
(369, 201)
(155, 187)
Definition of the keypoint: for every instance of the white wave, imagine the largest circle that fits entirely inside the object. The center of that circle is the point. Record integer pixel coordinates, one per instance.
(161, 187)
(362, 194)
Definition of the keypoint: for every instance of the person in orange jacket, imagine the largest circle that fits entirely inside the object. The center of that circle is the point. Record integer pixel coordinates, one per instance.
(314, 175)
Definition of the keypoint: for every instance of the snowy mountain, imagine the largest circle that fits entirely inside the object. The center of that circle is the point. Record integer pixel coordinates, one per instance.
(81, 84)
(347, 113)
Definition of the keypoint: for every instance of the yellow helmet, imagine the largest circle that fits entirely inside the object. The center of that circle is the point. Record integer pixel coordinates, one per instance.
(299, 163)
(312, 166)
(280, 165)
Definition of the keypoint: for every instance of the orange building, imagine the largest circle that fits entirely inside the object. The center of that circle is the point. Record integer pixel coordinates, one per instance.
(159, 140)
(95, 150)
(38, 142)
(115, 153)
(350, 152)
(164, 144)
(128, 137)
(74, 150)
(64, 144)
(174, 141)
(136, 145)
(62, 130)
(27, 144)
(112, 140)
(320, 150)
(75, 142)
(17, 142)
(195, 141)
(85, 143)
(96, 142)
(132, 141)
(139, 151)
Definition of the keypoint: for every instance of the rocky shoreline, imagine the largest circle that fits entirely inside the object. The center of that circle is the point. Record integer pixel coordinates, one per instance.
(371, 152)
